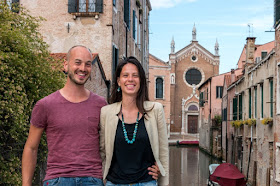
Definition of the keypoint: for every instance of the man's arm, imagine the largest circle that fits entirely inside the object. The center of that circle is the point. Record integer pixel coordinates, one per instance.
(29, 156)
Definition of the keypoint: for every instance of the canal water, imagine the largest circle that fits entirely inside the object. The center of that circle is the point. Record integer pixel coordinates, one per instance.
(189, 166)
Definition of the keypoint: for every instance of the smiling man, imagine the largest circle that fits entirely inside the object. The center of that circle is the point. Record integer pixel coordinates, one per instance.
(70, 118)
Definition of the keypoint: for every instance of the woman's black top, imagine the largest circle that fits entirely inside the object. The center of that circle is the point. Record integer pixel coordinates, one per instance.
(130, 162)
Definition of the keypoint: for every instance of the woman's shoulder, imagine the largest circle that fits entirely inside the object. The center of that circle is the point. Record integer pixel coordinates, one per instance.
(152, 105)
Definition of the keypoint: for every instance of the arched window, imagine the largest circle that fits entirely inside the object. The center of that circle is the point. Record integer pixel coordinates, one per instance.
(159, 88)
(193, 108)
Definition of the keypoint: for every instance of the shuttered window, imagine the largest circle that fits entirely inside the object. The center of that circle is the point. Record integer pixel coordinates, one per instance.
(240, 107)
(134, 26)
(219, 91)
(250, 103)
(201, 100)
(261, 92)
(256, 101)
(127, 13)
(115, 60)
(271, 98)
(276, 13)
(234, 110)
(85, 6)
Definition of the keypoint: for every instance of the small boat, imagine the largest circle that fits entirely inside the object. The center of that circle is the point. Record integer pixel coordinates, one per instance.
(212, 168)
(225, 174)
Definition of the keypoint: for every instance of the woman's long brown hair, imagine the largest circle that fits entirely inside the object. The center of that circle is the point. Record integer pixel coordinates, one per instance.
(142, 94)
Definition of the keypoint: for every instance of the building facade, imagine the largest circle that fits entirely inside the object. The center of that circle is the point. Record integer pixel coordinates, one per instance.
(186, 69)
(159, 85)
(276, 119)
(113, 29)
(249, 107)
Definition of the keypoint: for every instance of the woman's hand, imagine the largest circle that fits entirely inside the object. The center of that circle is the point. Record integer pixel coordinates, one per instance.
(154, 171)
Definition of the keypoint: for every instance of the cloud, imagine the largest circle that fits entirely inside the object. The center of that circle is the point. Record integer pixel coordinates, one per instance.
(158, 4)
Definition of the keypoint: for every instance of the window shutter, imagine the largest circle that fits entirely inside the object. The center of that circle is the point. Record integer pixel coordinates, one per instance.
(240, 107)
(276, 13)
(250, 104)
(271, 98)
(134, 24)
(113, 62)
(72, 6)
(221, 92)
(262, 101)
(234, 109)
(127, 13)
(99, 6)
(217, 89)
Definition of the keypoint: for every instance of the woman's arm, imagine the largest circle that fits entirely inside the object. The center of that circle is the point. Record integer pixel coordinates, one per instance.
(102, 138)
(163, 145)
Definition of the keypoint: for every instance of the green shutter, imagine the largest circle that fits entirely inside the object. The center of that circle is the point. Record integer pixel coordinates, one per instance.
(256, 101)
(240, 107)
(99, 6)
(72, 6)
(271, 98)
(261, 100)
(134, 25)
(234, 109)
(250, 104)
(276, 13)
(127, 13)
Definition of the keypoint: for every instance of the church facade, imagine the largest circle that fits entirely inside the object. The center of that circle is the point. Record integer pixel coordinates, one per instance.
(176, 86)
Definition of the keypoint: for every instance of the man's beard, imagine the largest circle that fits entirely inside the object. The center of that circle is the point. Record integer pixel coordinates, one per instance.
(71, 77)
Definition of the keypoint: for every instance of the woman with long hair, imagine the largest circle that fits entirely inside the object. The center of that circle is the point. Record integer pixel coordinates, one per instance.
(133, 134)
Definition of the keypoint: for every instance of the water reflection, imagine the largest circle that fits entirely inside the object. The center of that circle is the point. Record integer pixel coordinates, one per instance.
(189, 166)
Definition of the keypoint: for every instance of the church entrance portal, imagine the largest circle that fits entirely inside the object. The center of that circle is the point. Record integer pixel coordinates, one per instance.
(192, 124)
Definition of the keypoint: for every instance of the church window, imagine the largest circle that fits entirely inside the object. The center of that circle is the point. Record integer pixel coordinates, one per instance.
(85, 6)
(193, 76)
(193, 108)
(194, 58)
(159, 88)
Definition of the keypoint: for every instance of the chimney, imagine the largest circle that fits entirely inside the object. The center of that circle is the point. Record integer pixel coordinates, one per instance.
(232, 75)
(250, 50)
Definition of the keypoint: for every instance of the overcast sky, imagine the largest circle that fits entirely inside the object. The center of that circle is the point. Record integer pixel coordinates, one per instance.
(224, 20)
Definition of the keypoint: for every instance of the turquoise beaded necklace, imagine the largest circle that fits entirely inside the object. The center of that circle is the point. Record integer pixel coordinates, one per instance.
(134, 133)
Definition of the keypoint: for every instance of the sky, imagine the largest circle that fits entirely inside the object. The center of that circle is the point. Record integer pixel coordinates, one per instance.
(223, 20)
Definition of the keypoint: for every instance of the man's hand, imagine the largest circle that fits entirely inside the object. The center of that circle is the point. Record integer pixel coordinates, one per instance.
(154, 171)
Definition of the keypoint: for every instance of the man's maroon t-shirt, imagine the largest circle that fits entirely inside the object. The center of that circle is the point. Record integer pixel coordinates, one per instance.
(72, 131)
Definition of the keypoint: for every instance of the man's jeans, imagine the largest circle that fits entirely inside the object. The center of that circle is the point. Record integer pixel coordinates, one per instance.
(149, 183)
(76, 181)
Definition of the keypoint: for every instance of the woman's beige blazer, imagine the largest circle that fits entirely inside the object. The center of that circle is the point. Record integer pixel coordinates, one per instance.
(156, 129)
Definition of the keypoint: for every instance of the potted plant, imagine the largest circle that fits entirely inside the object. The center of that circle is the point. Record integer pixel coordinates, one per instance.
(239, 123)
(251, 122)
(217, 120)
(232, 123)
(267, 121)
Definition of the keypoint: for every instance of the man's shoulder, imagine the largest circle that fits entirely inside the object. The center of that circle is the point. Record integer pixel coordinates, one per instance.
(98, 99)
(49, 98)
